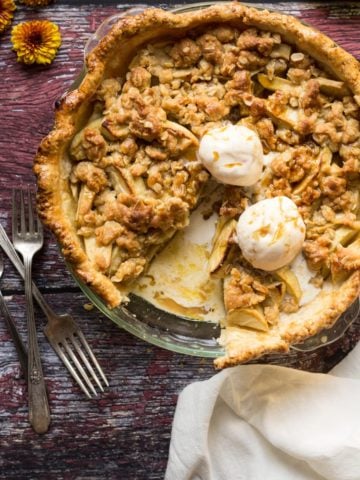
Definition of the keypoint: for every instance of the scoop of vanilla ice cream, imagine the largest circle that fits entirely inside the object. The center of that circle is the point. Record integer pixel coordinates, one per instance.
(233, 154)
(271, 233)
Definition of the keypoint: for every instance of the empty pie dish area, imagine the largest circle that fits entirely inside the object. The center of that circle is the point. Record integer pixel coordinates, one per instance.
(209, 162)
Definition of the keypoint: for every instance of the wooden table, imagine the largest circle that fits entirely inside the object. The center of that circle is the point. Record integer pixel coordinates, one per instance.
(125, 432)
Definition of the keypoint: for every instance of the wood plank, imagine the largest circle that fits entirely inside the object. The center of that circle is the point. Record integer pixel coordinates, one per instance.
(125, 432)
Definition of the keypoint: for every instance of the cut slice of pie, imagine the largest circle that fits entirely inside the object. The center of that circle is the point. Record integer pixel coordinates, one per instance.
(119, 174)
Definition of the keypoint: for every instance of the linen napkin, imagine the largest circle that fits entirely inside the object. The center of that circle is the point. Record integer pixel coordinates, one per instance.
(264, 422)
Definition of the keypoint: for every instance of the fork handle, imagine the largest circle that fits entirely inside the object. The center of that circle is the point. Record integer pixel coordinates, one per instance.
(39, 411)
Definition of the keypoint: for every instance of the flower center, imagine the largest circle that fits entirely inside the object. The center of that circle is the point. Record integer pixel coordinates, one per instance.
(35, 38)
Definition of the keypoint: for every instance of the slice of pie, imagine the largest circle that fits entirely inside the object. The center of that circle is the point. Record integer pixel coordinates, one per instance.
(122, 169)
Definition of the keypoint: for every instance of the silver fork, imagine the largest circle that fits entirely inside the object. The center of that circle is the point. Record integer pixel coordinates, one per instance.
(63, 333)
(28, 239)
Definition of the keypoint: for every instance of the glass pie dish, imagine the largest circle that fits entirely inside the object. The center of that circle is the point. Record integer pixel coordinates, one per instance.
(167, 330)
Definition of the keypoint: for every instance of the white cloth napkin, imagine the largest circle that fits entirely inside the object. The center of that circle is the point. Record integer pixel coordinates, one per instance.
(263, 422)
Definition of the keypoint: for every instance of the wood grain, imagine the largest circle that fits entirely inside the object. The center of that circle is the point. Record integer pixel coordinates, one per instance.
(125, 432)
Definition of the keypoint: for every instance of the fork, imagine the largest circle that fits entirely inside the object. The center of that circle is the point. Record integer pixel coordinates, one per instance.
(62, 330)
(20, 348)
(28, 239)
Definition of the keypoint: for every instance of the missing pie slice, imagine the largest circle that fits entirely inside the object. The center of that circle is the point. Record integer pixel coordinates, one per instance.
(120, 173)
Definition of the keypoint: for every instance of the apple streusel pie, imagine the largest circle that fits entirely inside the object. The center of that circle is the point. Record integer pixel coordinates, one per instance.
(260, 107)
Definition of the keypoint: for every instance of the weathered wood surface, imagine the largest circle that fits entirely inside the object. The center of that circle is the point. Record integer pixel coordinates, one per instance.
(124, 434)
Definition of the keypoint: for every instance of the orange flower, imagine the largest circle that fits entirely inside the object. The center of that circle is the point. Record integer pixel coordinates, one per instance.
(36, 3)
(36, 41)
(7, 8)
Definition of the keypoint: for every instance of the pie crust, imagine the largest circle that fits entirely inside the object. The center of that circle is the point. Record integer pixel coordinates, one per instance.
(68, 160)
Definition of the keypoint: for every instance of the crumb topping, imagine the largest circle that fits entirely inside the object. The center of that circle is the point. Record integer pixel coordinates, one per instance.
(135, 176)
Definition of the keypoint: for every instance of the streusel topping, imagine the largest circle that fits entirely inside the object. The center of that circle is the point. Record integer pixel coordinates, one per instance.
(135, 176)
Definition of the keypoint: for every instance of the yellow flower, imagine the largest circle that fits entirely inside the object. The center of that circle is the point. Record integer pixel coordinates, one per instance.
(36, 3)
(7, 8)
(36, 41)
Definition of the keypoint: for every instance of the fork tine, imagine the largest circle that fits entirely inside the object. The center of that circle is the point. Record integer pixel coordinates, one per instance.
(78, 366)
(39, 227)
(92, 356)
(22, 213)
(86, 362)
(71, 369)
(30, 211)
(15, 214)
